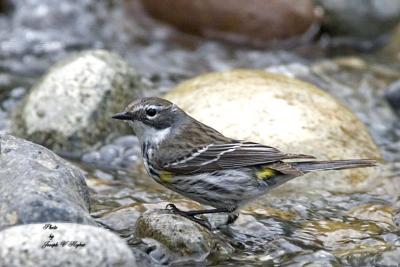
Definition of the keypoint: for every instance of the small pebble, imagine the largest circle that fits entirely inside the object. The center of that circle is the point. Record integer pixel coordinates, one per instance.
(109, 152)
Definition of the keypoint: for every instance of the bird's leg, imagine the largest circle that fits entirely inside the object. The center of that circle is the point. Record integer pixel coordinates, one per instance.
(193, 213)
(232, 217)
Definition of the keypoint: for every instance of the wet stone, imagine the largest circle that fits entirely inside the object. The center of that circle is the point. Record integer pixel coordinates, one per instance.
(157, 252)
(126, 141)
(30, 245)
(122, 153)
(109, 152)
(126, 216)
(396, 218)
(70, 109)
(392, 94)
(181, 236)
(38, 186)
(391, 257)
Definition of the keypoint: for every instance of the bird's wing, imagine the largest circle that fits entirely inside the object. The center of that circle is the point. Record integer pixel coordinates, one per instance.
(235, 154)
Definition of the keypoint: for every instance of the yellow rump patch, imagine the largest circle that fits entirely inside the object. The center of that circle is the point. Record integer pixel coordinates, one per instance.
(265, 173)
(166, 177)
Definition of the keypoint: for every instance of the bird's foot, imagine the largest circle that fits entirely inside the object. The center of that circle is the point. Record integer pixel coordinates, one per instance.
(188, 215)
(232, 217)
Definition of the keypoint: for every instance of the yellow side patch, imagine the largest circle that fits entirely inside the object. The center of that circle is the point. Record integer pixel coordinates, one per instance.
(265, 173)
(166, 177)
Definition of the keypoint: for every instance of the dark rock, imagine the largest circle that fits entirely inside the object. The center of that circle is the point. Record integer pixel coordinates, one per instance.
(38, 186)
(236, 20)
(360, 18)
(5, 6)
(70, 109)
(392, 94)
(25, 246)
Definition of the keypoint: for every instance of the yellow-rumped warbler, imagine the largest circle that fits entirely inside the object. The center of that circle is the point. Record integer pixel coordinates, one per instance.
(200, 163)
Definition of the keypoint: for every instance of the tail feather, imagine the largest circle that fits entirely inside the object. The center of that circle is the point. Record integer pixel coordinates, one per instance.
(310, 166)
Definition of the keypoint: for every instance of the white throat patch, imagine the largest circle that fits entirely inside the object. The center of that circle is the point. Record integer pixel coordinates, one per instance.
(148, 134)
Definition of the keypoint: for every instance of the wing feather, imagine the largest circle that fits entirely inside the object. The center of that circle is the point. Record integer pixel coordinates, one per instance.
(225, 156)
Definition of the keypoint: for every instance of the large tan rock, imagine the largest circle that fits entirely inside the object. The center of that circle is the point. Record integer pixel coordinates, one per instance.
(286, 113)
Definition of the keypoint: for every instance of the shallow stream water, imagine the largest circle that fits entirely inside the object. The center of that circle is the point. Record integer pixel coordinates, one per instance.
(288, 229)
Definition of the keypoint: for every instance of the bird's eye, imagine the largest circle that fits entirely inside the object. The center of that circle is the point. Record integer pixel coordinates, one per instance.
(151, 112)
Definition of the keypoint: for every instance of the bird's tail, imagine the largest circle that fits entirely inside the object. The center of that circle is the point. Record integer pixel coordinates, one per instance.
(310, 166)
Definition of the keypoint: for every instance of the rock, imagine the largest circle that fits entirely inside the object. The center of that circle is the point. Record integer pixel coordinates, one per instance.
(392, 49)
(5, 6)
(360, 18)
(122, 153)
(392, 94)
(181, 236)
(236, 20)
(38, 186)
(123, 218)
(70, 109)
(69, 245)
(390, 257)
(294, 116)
(396, 218)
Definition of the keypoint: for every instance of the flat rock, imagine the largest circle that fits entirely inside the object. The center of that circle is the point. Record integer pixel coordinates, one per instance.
(75, 245)
(70, 108)
(286, 113)
(38, 186)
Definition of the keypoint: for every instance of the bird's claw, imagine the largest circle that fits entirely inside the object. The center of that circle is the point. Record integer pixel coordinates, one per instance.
(202, 222)
(172, 207)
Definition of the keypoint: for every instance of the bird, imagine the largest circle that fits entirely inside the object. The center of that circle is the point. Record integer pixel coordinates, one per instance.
(198, 162)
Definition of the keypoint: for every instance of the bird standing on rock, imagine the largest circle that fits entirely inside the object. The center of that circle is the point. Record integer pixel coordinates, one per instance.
(200, 163)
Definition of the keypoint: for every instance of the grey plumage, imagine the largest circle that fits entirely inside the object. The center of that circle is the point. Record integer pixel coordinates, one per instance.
(310, 166)
(197, 161)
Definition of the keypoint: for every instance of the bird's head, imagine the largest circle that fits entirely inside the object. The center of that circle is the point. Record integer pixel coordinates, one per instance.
(152, 117)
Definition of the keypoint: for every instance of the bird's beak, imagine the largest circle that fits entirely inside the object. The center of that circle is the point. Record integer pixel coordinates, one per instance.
(123, 116)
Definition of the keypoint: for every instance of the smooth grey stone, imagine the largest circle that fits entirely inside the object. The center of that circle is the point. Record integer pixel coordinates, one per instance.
(126, 141)
(70, 244)
(91, 157)
(360, 18)
(70, 108)
(38, 186)
(109, 152)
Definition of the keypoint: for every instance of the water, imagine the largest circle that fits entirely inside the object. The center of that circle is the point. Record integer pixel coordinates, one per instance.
(290, 229)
